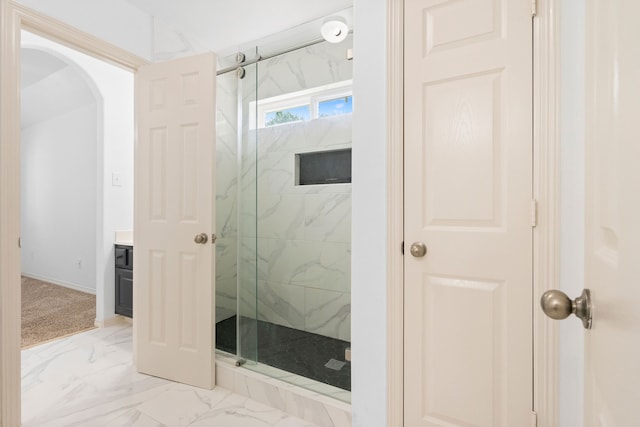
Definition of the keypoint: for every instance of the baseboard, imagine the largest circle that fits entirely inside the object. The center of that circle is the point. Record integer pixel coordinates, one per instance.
(113, 321)
(60, 283)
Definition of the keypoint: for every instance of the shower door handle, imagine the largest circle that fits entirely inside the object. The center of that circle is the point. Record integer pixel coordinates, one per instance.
(201, 238)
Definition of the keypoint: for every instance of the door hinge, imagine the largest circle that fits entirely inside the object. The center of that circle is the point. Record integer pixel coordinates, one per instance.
(534, 7)
(534, 419)
(534, 213)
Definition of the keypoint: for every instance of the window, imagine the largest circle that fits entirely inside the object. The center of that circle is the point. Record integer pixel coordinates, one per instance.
(336, 106)
(288, 115)
(323, 101)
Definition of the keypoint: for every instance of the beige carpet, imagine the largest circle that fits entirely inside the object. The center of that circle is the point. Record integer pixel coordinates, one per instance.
(51, 311)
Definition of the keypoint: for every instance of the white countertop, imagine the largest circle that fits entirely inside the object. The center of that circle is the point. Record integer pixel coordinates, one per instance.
(124, 237)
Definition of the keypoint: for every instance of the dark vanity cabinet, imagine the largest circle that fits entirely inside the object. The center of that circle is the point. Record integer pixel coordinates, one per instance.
(124, 280)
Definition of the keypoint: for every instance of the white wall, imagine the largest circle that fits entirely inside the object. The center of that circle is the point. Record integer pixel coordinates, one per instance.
(368, 259)
(58, 198)
(115, 154)
(572, 116)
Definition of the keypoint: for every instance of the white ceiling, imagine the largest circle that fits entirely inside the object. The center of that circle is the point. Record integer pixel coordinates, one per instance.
(224, 24)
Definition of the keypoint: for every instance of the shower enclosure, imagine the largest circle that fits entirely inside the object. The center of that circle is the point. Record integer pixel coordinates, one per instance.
(283, 197)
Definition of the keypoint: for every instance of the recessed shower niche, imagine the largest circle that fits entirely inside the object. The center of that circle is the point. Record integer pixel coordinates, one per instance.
(283, 196)
(323, 167)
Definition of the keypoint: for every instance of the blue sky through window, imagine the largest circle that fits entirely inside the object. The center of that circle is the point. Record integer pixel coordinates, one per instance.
(329, 100)
(335, 107)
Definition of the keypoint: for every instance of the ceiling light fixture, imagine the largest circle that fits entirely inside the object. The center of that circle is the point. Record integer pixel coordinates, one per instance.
(334, 29)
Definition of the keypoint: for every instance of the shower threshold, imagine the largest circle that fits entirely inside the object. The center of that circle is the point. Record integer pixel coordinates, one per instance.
(299, 352)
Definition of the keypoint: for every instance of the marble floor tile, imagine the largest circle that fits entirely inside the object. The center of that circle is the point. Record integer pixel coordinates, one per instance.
(89, 379)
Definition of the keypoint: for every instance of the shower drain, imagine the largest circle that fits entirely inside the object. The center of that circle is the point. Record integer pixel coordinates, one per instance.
(334, 364)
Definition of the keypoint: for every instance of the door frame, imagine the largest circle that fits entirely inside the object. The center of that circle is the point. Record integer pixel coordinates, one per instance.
(15, 17)
(546, 67)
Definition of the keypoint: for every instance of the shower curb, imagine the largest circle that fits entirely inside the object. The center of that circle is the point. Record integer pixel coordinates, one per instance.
(308, 405)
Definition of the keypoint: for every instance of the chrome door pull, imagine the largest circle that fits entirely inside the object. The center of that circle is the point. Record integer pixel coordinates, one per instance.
(557, 305)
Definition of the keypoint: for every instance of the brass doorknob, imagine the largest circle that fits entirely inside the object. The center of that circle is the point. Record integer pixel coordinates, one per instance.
(201, 238)
(557, 305)
(418, 249)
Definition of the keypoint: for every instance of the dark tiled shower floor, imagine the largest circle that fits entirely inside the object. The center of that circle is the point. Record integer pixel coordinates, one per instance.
(291, 350)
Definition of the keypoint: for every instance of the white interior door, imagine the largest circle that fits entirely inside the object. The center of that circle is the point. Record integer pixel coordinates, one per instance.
(174, 202)
(468, 192)
(612, 235)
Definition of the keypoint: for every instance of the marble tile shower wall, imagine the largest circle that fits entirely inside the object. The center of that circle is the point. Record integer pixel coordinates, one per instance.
(303, 233)
(307, 68)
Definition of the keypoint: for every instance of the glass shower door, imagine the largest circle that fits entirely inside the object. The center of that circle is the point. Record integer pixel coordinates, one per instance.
(284, 215)
(236, 256)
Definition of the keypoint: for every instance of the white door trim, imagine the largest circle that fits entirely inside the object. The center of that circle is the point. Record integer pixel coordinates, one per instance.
(546, 142)
(395, 212)
(546, 49)
(28, 19)
(13, 18)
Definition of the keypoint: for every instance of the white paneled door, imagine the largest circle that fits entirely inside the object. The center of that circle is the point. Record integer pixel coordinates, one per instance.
(468, 197)
(612, 235)
(174, 202)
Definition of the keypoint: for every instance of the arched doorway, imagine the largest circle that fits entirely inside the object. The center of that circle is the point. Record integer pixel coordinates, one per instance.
(60, 141)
